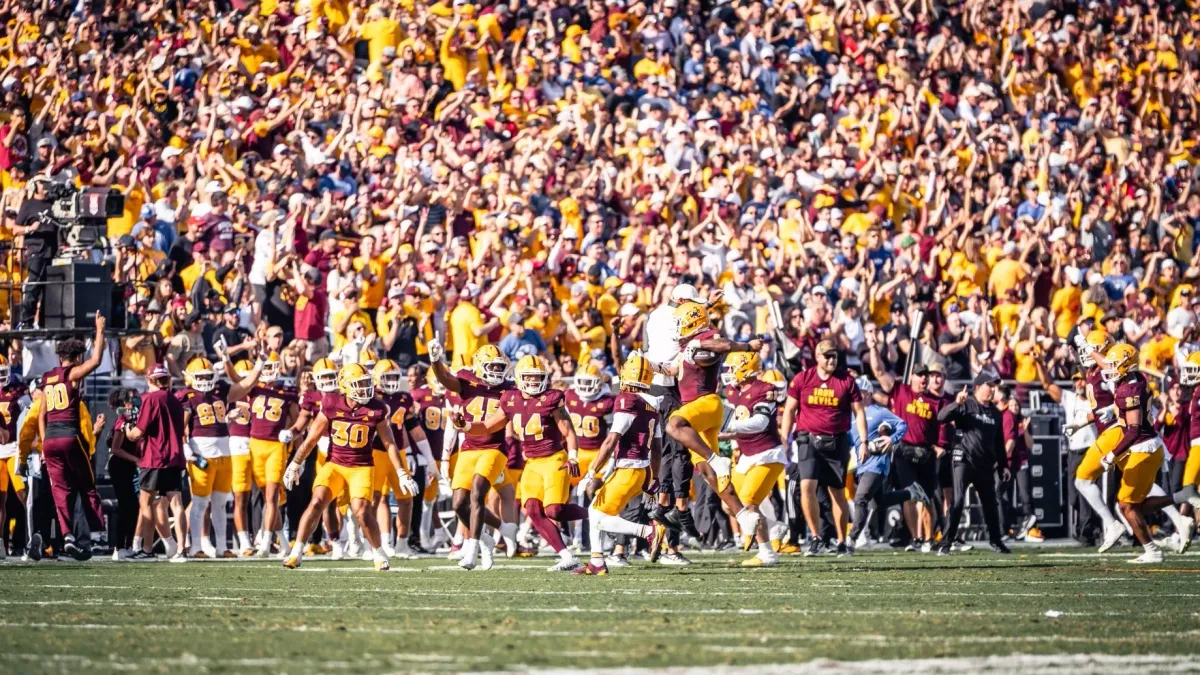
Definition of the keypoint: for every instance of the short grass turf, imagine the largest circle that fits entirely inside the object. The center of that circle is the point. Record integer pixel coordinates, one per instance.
(427, 615)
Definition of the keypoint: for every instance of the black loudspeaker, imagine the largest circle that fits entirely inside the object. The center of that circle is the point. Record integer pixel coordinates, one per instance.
(75, 292)
(1045, 473)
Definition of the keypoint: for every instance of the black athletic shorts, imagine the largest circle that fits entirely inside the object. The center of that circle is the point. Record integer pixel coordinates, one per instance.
(924, 473)
(677, 472)
(161, 481)
(827, 467)
(945, 471)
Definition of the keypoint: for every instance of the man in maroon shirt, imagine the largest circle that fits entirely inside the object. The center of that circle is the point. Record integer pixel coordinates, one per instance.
(160, 428)
(916, 458)
(312, 310)
(820, 402)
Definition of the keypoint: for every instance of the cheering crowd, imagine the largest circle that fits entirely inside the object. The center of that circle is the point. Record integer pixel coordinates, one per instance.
(929, 191)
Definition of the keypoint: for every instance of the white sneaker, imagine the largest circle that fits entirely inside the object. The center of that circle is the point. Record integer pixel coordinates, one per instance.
(1148, 558)
(1183, 538)
(616, 560)
(121, 554)
(339, 551)
(172, 548)
(508, 532)
(179, 557)
(863, 539)
(369, 556)
(674, 559)
(466, 560)
(389, 551)
(486, 557)
(926, 547)
(455, 554)
(1112, 534)
(565, 565)
(748, 521)
(208, 547)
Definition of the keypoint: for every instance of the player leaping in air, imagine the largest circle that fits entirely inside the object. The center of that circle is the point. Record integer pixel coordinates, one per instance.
(697, 422)
(354, 420)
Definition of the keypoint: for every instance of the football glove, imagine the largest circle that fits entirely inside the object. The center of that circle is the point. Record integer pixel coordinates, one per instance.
(437, 353)
(408, 486)
(1107, 461)
(285, 436)
(292, 476)
(1106, 415)
(720, 465)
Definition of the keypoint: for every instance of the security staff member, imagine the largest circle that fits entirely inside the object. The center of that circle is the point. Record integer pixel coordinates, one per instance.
(41, 243)
(978, 453)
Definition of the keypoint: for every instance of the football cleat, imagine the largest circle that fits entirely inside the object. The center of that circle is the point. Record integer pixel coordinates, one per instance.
(788, 548)
(565, 565)
(1183, 538)
(1034, 535)
(382, 565)
(591, 569)
(486, 547)
(673, 559)
(455, 552)
(763, 559)
(34, 551)
(179, 557)
(199, 555)
(1112, 534)
(143, 555)
(1148, 558)
(658, 534)
(1188, 495)
(247, 553)
(313, 549)
(228, 555)
(961, 546)
(617, 560)
(290, 563)
(776, 544)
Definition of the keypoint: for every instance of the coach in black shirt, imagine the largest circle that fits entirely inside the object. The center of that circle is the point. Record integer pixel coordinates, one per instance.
(41, 243)
(978, 452)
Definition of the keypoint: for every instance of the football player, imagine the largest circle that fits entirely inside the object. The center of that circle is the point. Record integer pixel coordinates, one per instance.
(1138, 453)
(206, 436)
(14, 397)
(534, 415)
(273, 410)
(1104, 415)
(762, 451)
(353, 420)
(237, 417)
(64, 451)
(697, 422)
(1189, 376)
(405, 427)
(481, 460)
(591, 413)
(430, 402)
(324, 381)
(626, 464)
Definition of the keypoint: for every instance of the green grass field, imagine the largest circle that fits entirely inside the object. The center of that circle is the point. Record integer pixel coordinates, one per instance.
(428, 616)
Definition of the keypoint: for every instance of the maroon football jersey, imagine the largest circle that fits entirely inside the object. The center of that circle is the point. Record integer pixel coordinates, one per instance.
(825, 405)
(1099, 396)
(399, 405)
(62, 399)
(700, 379)
(534, 427)
(919, 412)
(208, 413)
(757, 398)
(1134, 392)
(589, 419)
(480, 399)
(352, 430)
(1192, 424)
(10, 408)
(269, 410)
(431, 414)
(235, 413)
(635, 443)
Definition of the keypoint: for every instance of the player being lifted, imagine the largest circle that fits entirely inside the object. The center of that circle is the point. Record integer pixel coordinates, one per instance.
(762, 451)
(696, 424)
(354, 420)
(1138, 453)
(1104, 415)
(626, 464)
(535, 416)
(481, 459)
(210, 464)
